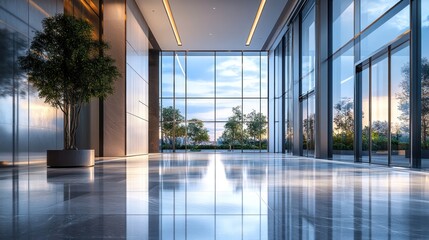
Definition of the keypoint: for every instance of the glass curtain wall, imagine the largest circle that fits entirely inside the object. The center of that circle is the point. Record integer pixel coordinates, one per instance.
(214, 100)
(369, 76)
(385, 86)
(378, 25)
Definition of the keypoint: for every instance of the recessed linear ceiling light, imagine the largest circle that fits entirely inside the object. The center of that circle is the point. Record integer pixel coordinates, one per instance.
(255, 22)
(172, 22)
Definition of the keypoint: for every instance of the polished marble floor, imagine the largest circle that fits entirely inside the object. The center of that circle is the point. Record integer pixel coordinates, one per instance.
(214, 196)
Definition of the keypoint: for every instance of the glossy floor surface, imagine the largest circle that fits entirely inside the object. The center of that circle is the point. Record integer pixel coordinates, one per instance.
(214, 196)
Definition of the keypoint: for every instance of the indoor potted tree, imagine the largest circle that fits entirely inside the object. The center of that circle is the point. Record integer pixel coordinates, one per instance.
(69, 67)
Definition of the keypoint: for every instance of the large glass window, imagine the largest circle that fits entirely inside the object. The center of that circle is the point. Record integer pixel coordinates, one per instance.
(200, 74)
(229, 75)
(307, 78)
(308, 51)
(400, 106)
(342, 22)
(364, 75)
(167, 63)
(379, 110)
(214, 100)
(343, 105)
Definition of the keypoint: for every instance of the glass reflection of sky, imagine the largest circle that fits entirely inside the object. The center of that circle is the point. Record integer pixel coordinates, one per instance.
(200, 69)
(372, 9)
(343, 14)
(425, 28)
(387, 32)
(251, 74)
(228, 75)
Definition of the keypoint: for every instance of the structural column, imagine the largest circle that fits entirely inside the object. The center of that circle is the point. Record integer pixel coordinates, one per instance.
(322, 123)
(113, 107)
(153, 101)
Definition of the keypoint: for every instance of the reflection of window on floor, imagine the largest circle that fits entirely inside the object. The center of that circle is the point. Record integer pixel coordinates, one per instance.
(213, 100)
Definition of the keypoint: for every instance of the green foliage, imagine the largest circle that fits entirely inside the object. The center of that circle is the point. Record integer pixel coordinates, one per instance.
(197, 132)
(172, 124)
(234, 133)
(343, 125)
(214, 147)
(68, 68)
(256, 125)
(404, 100)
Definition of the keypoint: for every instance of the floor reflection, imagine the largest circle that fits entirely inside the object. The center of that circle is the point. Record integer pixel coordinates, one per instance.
(214, 196)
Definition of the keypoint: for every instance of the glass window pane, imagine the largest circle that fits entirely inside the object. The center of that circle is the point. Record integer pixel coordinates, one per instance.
(342, 22)
(179, 104)
(167, 74)
(304, 127)
(200, 69)
(311, 125)
(399, 106)
(278, 71)
(308, 49)
(196, 135)
(250, 105)
(343, 105)
(264, 74)
(179, 68)
(228, 74)
(224, 108)
(379, 110)
(251, 74)
(165, 103)
(373, 9)
(365, 115)
(387, 32)
(264, 107)
(202, 109)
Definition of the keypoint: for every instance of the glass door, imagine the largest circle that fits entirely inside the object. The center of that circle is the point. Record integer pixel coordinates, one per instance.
(384, 102)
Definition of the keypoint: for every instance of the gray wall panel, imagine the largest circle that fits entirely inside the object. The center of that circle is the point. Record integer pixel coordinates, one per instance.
(114, 106)
(28, 126)
(137, 77)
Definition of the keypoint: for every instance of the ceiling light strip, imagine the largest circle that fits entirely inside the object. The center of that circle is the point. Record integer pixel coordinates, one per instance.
(172, 22)
(255, 22)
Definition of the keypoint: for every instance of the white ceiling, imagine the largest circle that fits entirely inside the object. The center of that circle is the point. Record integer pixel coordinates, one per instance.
(211, 24)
